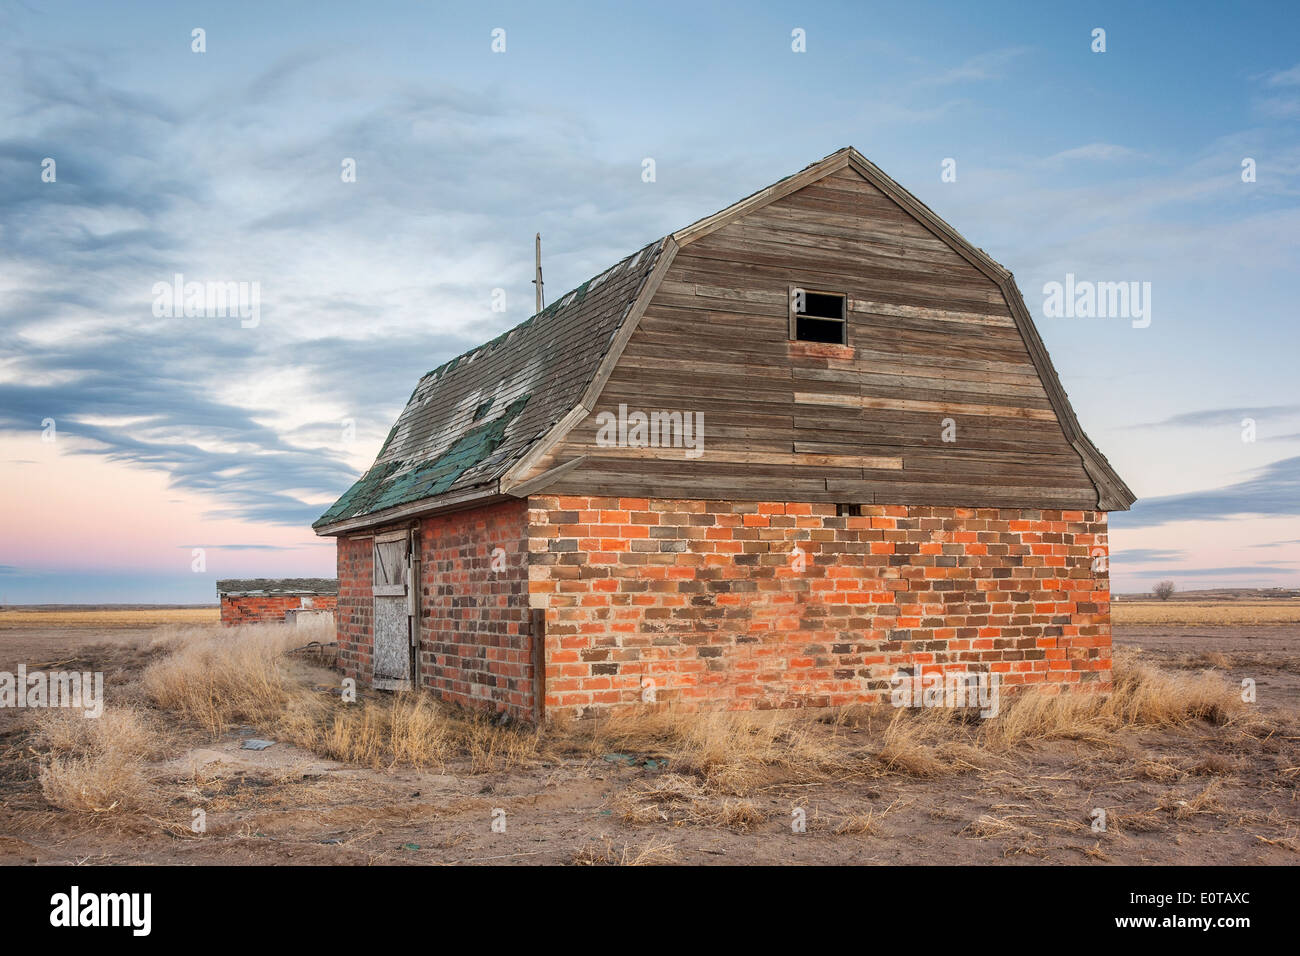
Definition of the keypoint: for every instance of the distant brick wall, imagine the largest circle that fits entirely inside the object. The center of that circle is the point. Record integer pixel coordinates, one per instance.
(708, 600)
(474, 640)
(263, 608)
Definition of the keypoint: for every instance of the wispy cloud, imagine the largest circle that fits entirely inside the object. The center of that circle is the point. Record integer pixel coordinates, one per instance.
(1139, 555)
(1274, 491)
(1282, 101)
(1241, 570)
(359, 297)
(977, 69)
(1221, 416)
(1290, 77)
(1094, 152)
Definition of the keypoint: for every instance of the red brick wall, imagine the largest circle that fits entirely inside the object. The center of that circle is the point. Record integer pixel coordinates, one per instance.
(474, 641)
(355, 616)
(260, 608)
(704, 598)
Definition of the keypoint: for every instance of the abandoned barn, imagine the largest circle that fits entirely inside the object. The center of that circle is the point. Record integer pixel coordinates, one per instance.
(775, 459)
(266, 600)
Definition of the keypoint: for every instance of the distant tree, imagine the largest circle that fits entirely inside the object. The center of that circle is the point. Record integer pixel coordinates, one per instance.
(1164, 590)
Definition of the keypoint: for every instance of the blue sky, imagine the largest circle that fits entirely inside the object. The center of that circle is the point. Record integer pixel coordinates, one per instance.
(174, 434)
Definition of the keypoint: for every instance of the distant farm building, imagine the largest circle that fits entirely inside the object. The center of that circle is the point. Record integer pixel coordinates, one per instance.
(262, 600)
(787, 456)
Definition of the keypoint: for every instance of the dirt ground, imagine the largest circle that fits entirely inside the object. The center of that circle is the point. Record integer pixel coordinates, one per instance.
(1202, 794)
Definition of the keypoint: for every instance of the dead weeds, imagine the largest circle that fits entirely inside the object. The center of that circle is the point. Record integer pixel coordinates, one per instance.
(725, 771)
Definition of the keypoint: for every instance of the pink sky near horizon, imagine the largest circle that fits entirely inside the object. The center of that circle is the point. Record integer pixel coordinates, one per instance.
(68, 511)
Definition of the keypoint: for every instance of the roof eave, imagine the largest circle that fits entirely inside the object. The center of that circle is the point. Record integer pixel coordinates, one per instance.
(449, 501)
(475, 497)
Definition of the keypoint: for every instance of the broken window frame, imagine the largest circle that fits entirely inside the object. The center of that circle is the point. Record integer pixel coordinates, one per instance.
(794, 316)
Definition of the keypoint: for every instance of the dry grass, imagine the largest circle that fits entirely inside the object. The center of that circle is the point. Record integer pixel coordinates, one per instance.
(741, 753)
(725, 771)
(678, 799)
(728, 752)
(232, 676)
(860, 824)
(1142, 695)
(220, 679)
(408, 728)
(1280, 611)
(921, 744)
(653, 852)
(241, 676)
(96, 765)
(1207, 801)
(110, 617)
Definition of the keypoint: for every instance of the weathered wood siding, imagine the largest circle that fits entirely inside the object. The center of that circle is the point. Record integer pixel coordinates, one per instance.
(930, 338)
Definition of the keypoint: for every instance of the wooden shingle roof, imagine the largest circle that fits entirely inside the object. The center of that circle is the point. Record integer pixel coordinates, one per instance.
(278, 586)
(472, 418)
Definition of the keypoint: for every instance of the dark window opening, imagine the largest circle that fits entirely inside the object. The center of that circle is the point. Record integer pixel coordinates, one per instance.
(848, 511)
(823, 305)
(821, 319)
(819, 330)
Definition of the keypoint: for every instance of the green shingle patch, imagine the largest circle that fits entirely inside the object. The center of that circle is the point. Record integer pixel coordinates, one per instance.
(391, 483)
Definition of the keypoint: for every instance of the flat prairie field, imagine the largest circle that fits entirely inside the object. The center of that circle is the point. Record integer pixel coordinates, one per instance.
(106, 616)
(1282, 611)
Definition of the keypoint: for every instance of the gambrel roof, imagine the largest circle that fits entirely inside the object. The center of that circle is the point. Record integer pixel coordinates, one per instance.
(476, 427)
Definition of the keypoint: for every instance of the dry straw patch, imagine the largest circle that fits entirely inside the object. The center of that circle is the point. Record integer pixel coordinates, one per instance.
(678, 799)
(410, 729)
(929, 743)
(726, 751)
(217, 680)
(1142, 695)
(96, 765)
(1207, 801)
(861, 824)
(222, 679)
(653, 852)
